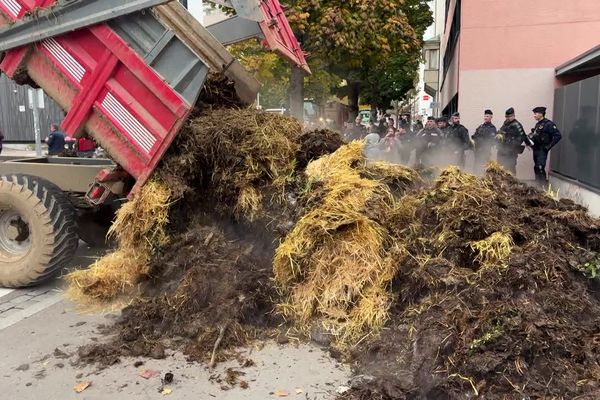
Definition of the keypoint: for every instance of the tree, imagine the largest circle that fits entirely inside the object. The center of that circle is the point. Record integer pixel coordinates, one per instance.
(274, 75)
(267, 68)
(382, 84)
(354, 37)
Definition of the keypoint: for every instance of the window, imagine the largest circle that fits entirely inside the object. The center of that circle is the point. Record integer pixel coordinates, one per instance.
(432, 59)
(451, 107)
(452, 38)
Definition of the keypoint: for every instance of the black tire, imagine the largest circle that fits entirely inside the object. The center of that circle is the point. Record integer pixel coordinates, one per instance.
(38, 230)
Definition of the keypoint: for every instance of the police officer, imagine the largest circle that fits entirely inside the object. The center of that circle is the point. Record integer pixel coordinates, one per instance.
(510, 140)
(543, 138)
(442, 124)
(427, 143)
(484, 138)
(458, 141)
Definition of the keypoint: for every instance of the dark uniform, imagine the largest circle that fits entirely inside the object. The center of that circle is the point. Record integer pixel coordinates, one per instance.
(442, 124)
(484, 138)
(510, 142)
(356, 132)
(544, 137)
(427, 143)
(56, 143)
(407, 144)
(457, 141)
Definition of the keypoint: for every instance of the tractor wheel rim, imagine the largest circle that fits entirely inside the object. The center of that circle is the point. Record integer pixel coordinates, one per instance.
(15, 236)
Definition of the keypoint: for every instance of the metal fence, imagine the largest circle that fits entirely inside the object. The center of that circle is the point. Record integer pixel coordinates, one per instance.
(17, 126)
(577, 115)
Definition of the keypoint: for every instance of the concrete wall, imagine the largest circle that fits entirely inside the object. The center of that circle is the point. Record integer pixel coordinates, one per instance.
(18, 126)
(498, 90)
(579, 194)
(526, 33)
(507, 53)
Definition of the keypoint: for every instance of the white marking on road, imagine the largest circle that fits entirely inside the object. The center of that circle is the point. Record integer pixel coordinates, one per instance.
(29, 311)
(4, 292)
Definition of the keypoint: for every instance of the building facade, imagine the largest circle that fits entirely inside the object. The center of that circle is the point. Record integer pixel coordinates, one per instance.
(16, 119)
(501, 54)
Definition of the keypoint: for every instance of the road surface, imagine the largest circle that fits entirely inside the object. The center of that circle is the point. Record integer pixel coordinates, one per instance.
(40, 332)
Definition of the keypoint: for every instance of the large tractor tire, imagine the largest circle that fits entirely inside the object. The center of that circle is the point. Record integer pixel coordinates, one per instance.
(38, 230)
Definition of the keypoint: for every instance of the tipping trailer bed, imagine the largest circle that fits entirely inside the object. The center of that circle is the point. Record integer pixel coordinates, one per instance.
(127, 72)
(130, 83)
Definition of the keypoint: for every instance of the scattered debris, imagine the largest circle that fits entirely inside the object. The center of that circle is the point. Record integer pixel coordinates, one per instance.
(58, 353)
(342, 389)
(168, 378)
(138, 364)
(282, 339)
(166, 391)
(246, 363)
(81, 386)
(281, 393)
(22, 367)
(148, 373)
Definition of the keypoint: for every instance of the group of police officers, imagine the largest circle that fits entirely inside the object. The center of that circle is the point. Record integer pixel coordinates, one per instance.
(444, 142)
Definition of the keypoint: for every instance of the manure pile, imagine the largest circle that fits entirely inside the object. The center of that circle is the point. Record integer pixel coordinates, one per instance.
(454, 288)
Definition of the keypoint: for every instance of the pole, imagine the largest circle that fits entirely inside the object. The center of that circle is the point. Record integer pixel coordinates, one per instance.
(34, 102)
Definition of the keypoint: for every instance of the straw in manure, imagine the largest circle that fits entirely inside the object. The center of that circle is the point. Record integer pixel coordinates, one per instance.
(140, 229)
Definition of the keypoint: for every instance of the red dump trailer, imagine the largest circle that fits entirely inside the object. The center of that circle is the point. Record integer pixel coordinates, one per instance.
(128, 73)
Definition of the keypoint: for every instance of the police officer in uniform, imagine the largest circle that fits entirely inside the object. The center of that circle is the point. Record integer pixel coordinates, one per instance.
(442, 124)
(510, 140)
(484, 138)
(458, 141)
(427, 140)
(543, 138)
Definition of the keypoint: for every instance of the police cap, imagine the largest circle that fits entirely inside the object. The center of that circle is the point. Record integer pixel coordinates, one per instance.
(541, 110)
(488, 112)
(456, 114)
(510, 111)
(442, 119)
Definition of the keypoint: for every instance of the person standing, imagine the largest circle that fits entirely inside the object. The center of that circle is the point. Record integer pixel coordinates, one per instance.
(55, 141)
(544, 137)
(372, 147)
(428, 140)
(404, 124)
(391, 147)
(458, 141)
(356, 131)
(405, 136)
(484, 138)
(418, 125)
(442, 124)
(510, 140)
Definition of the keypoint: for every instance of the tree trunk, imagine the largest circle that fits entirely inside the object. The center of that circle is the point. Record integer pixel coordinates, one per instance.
(296, 93)
(353, 99)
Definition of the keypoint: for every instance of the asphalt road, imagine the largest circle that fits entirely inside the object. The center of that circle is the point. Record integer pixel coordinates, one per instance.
(40, 332)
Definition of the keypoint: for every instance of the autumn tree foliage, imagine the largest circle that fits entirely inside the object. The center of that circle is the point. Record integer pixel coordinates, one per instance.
(374, 45)
(358, 39)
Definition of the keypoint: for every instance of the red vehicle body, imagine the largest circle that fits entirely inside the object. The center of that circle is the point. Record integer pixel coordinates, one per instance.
(111, 92)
